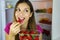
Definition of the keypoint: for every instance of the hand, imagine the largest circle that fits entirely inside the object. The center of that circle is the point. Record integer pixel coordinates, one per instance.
(14, 28)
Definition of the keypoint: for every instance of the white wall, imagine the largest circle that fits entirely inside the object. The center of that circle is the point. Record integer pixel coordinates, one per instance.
(2, 19)
(0, 25)
(56, 20)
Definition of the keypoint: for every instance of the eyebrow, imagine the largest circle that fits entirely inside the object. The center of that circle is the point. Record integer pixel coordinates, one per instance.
(17, 8)
(25, 8)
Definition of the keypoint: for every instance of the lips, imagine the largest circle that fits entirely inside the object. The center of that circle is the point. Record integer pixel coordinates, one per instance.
(20, 20)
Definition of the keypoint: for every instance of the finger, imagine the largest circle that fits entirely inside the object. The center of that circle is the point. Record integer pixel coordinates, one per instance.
(14, 25)
(17, 26)
(16, 31)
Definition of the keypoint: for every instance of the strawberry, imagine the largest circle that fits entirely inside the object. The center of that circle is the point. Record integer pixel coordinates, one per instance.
(25, 37)
(20, 20)
(29, 37)
(36, 38)
(32, 32)
(26, 32)
(21, 37)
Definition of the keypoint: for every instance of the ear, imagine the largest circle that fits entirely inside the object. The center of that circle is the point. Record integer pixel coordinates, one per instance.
(31, 14)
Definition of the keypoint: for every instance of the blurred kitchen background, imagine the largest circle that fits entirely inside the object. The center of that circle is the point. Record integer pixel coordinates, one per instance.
(43, 16)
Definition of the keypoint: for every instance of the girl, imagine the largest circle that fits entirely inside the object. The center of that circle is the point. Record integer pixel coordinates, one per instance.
(23, 26)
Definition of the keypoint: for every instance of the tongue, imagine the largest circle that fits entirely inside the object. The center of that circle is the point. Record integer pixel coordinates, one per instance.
(20, 20)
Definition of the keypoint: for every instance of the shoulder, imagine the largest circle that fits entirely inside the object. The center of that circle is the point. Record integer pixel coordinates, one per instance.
(7, 28)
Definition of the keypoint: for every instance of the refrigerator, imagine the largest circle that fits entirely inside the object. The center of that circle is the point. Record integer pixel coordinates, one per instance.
(55, 27)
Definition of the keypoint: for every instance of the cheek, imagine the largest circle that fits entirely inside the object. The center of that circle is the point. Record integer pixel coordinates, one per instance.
(16, 15)
(27, 15)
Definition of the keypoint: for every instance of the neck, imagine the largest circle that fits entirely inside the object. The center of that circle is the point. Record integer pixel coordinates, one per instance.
(24, 26)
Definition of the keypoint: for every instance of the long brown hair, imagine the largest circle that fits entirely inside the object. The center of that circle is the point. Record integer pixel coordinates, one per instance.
(31, 22)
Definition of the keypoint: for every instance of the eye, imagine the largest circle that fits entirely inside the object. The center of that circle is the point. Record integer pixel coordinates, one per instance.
(17, 9)
(26, 10)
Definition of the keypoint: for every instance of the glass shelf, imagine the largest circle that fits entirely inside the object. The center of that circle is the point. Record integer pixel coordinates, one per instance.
(9, 8)
(45, 26)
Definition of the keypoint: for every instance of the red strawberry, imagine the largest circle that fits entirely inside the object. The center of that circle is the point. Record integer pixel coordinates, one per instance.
(26, 32)
(25, 37)
(32, 32)
(29, 37)
(20, 20)
(36, 38)
(21, 37)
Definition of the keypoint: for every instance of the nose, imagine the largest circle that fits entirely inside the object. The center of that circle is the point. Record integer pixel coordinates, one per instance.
(21, 14)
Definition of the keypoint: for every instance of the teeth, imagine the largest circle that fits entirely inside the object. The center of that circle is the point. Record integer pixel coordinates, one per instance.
(21, 18)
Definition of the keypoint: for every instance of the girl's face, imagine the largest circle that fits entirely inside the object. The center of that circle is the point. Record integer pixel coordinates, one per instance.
(23, 13)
